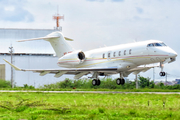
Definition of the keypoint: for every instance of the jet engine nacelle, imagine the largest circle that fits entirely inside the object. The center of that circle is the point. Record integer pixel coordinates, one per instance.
(72, 59)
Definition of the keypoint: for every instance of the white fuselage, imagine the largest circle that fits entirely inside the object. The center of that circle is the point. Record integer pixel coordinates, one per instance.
(132, 55)
(121, 59)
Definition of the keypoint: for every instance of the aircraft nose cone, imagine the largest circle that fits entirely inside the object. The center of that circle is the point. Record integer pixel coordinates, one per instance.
(173, 54)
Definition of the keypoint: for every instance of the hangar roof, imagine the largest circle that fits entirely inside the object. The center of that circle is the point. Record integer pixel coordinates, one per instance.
(9, 36)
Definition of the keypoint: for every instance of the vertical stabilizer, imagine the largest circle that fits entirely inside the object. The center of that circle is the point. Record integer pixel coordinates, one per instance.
(58, 42)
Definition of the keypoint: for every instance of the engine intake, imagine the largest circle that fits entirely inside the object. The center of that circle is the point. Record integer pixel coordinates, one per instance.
(72, 59)
(81, 55)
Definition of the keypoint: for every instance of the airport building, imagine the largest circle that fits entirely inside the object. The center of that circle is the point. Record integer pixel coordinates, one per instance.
(27, 55)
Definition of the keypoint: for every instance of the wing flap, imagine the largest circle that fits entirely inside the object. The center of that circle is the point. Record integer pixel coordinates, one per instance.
(80, 75)
(44, 73)
(60, 73)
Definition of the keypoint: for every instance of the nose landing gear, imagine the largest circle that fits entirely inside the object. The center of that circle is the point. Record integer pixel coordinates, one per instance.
(162, 66)
(120, 81)
(162, 73)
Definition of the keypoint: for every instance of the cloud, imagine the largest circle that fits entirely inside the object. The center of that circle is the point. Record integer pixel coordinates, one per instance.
(137, 18)
(13, 11)
(96, 0)
(117, 0)
(15, 15)
(104, 0)
(139, 10)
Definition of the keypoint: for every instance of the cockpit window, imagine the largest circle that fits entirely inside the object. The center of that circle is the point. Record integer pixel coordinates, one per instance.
(150, 45)
(162, 44)
(156, 45)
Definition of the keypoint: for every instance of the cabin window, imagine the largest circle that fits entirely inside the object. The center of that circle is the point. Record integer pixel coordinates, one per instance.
(109, 55)
(124, 52)
(130, 51)
(103, 56)
(114, 54)
(119, 53)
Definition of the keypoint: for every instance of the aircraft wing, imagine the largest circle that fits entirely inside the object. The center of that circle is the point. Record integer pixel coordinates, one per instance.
(79, 72)
(137, 70)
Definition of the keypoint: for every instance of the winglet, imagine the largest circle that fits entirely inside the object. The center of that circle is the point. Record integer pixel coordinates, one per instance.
(16, 68)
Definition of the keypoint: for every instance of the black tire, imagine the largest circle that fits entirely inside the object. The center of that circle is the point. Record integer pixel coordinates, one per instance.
(164, 73)
(98, 82)
(94, 82)
(118, 81)
(122, 81)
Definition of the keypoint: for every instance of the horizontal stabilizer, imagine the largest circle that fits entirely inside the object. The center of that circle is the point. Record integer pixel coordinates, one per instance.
(41, 38)
(57, 41)
(69, 39)
(37, 39)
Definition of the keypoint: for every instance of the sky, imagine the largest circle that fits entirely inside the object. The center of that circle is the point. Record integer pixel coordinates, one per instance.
(98, 23)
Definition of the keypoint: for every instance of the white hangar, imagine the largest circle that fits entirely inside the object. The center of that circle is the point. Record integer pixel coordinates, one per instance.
(28, 55)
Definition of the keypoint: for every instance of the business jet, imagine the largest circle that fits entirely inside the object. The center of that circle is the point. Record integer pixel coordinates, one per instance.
(121, 59)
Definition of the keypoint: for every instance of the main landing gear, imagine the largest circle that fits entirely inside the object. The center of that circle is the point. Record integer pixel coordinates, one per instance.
(96, 82)
(120, 81)
(162, 66)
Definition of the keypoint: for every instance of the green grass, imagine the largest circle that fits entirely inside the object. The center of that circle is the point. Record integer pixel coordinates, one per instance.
(48, 106)
(96, 89)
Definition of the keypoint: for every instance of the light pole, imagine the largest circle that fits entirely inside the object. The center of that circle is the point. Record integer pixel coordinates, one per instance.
(136, 79)
(11, 52)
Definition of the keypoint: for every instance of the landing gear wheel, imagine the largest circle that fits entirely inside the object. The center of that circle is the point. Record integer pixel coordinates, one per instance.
(122, 81)
(118, 81)
(94, 82)
(98, 82)
(162, 73)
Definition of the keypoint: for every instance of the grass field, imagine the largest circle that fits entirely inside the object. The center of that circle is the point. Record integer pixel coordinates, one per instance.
(49, 106)
(94, 89)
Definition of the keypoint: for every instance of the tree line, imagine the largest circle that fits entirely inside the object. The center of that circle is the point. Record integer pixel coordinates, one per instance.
(106, 83)
(109, 83)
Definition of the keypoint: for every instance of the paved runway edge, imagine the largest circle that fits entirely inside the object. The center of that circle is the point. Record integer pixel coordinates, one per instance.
(95, 92)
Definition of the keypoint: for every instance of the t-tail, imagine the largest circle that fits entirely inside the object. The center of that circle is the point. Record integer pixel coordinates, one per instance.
(58, 42)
